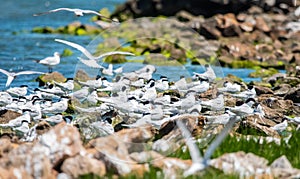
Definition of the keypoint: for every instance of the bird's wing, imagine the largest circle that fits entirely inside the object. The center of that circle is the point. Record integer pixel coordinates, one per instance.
(54, 10)
(90, 63)
(97, 13)
(194, 150)
(5, 72)
(92, 12)
(78, 47)
(29, 72)
(119, 70)
(114, 53)
(9, 80)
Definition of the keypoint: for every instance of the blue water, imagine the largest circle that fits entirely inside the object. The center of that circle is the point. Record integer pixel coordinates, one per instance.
(19, 47)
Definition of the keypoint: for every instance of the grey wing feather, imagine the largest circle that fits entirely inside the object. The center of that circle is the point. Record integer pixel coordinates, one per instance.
(5, 72)
(78, 47)
(29, 72)
(54, 10)
(114, 53)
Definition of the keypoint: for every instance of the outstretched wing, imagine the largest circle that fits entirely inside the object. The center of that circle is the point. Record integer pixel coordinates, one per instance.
(114, 53)
(54, 10)
(29, 72)
(78, 47)
(5, 72)
(90, 63)
(96, 13)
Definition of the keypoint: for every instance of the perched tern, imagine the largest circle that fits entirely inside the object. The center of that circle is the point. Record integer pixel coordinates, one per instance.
(5, 98)
(50, 62)
(92, 83)
(12, 75)
(209, 74)
(68, 85)
(216, 104)
(18, 91)
(23, 129)
(230, 87)
(280, 127)
(19, 120)
(77, 12)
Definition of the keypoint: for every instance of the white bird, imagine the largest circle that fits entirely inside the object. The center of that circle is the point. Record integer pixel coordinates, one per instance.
(91, 62)
(77, 12)
(55, 119)
(50, 62)
(249, 93)
(201, 87)
(162, 84)
(5, 98)
(81, 94)
(18, 91)
(12, 75)
(57, 107)
(68, 85)
(53, 90)
(209, 74)
(280, 127)
(242, 109)
(18, 121)
(180, 85)
(216, 104)
(23, 129)
(230, 87)
(294, 120)
(150, 93)
(92, 98)
(92, 83)
(138, 83)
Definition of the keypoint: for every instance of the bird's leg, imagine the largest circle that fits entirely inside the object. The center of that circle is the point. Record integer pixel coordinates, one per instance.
(50, 69)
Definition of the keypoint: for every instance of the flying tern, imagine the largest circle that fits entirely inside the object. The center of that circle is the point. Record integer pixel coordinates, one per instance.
(12, 75)
(77, 12)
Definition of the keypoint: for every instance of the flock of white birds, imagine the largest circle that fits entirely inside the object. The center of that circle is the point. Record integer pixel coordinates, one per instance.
(134, 96)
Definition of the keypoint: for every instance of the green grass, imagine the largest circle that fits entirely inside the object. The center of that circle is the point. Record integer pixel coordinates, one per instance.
(270, 151)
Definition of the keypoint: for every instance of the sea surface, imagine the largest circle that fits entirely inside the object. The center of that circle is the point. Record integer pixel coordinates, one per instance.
(19, 47)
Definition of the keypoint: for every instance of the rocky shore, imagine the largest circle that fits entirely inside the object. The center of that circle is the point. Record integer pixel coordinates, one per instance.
(96, 131)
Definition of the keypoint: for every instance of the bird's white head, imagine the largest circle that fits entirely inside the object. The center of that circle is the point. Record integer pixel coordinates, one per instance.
(56, 54)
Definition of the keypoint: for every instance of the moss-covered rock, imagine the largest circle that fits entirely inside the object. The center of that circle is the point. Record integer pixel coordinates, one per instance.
(67, 52)
(261, 73)
(50, 77)
(43, 30)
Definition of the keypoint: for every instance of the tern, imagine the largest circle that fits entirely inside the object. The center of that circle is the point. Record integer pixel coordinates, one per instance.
(55, 119)
(5, 98)
(50, 62)
(91, 62)
(280, 127)
(19, 120)
(92, 83)
(209, 74)
(18, 91)
(230, 87)
(23, 129)
(77, 12)
(12, 75)
(216, 104)
(68, 85)
(57, 107)
(242, 109)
